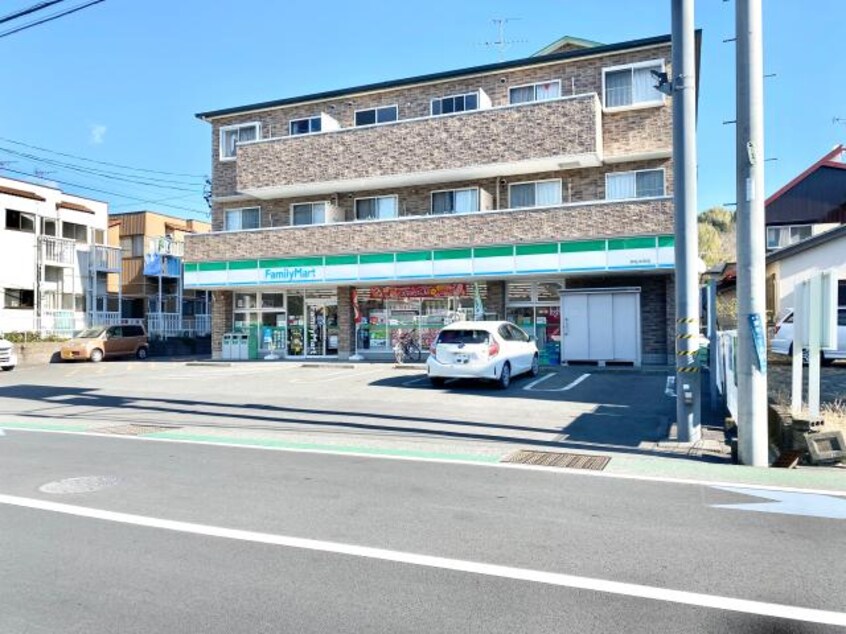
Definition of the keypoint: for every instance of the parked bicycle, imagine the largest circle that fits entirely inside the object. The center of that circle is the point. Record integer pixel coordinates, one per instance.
(406, 349)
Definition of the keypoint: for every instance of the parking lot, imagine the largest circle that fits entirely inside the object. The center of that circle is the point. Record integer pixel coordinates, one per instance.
(346, 405)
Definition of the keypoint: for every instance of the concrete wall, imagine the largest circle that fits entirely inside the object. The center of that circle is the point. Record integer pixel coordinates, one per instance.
(795, 268)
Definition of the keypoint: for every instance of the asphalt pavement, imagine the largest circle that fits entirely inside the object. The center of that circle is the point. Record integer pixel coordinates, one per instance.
(194, 538)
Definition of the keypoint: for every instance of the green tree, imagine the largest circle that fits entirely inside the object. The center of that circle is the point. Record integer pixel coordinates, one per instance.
(717, 236)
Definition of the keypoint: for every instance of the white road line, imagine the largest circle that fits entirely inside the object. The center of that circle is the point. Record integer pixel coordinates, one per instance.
(761, 608)
(448, 461)
(531, 386)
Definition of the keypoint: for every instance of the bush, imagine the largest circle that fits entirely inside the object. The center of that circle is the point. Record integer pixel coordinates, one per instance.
(32, 337)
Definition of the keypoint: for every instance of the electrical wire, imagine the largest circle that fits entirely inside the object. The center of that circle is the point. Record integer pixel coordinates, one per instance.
(110, 193)
(149, 182)
(50, 18)
(32, 9)
(88, 160)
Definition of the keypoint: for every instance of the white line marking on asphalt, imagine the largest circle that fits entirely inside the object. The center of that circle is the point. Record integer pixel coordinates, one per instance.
(683, 597)
(448, 461)
(530, 387)
(805, 504)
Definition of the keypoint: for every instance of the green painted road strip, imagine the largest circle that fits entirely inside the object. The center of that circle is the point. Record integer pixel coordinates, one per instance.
(46, 426)
(283, 444)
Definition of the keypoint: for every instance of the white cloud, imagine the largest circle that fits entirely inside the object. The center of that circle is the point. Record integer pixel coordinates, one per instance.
(98, 133)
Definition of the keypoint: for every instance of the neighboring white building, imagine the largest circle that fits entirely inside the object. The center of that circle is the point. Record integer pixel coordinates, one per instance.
(790, 265)
(54, 260)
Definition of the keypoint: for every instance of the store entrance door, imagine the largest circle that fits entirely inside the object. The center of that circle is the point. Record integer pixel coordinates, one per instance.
(321, 336)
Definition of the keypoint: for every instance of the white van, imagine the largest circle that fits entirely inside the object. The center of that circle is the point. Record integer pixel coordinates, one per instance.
(782, 342)
(8, 358)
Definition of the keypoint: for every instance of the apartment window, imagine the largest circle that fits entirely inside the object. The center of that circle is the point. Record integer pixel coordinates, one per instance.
(377, 208)
(74, 231)
(99, 236)
(48, 227)
(640, 184)
(132, 246)
(238, 219)
(778, 237)
(455, 103)
(232, 135)
(535, 194)
(455, 201)
(374, 116)
(304, 126)
(632, 85)
(308, 213)
(20, 221)
(535, 92)
(17, 298)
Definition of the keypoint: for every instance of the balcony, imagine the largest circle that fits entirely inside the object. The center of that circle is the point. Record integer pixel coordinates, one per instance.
(165, 245)
(106, 259)
(57, 251)
(564, 133)
(159, 265)
(597, 236)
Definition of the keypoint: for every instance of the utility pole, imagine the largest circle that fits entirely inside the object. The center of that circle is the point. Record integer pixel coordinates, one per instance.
(688, 378)
(751, 292)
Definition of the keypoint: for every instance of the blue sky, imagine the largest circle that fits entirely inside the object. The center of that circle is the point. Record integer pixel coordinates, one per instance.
(120, 81)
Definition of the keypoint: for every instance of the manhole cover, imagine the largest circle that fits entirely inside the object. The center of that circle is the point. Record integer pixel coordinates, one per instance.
(134, 430)
(559, 460)
(84, 484)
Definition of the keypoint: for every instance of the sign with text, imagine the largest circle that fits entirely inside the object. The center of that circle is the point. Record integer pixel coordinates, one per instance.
(418, 291)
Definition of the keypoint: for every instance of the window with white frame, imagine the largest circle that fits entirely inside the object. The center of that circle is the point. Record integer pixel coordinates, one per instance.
(535, 92)
(376, 208)
(374, 116)
(232, 135)
(455, 103)
(99, 236)
(48, 226)
(778, 237)
(535, 194)
(639, 184)
(304, 126)
(20, 221)
(74, 231)
(308, 213)
(455, 201)
(239, 219)
(632, 85)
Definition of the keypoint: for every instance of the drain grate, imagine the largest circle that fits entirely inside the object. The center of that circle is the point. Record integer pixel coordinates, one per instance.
(559, 460)
(134, 430)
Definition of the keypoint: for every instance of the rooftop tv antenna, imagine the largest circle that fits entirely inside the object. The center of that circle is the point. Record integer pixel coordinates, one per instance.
(500, 43)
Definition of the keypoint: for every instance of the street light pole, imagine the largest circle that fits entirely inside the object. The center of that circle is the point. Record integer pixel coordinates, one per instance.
(688, 382)
(751, 292)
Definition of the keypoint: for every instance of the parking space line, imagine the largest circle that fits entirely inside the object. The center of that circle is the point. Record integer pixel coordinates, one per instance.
(531, 386)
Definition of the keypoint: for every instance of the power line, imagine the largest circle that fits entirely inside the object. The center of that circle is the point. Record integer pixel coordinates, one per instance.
(148, 182)
(50, 18)
(88, 160)
(109, 193)
(32, 9)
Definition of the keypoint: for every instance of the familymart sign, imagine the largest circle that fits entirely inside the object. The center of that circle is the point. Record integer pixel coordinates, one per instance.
(624, 254)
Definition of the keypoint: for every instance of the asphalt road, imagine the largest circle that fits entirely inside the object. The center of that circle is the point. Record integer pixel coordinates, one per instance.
(369, 404)
(194, 538)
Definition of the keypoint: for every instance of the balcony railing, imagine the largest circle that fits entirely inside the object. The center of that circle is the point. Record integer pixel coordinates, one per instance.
(156, 264)
(61, 323)
(532, 137)
(106, 259)
(58, 251)
(164, 245)
(574, 221)
(163, 325)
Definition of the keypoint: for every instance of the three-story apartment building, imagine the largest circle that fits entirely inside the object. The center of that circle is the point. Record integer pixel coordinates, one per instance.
(537, 190)
(55, 261)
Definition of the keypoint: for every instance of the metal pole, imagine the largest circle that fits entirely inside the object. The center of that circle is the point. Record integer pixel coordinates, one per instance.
(688, 380)
(712, 343)
(751, 304)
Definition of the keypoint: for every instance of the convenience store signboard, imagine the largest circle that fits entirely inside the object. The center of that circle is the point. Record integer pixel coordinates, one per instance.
(625, 254)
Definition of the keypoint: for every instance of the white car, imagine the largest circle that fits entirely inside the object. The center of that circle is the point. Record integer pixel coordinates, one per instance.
(8, 358)
(782, 342)
(493, 350)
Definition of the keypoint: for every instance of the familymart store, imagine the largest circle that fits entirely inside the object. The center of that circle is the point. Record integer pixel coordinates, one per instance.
(341, 305)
